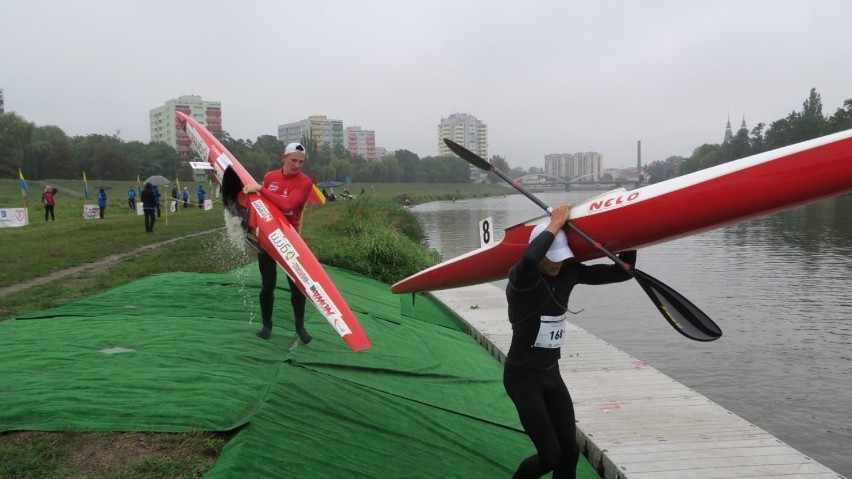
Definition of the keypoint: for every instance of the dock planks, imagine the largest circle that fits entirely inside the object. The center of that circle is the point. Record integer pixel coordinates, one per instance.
(633, 421)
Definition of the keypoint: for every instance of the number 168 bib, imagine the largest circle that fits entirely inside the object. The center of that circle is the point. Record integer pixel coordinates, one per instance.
(551, 332)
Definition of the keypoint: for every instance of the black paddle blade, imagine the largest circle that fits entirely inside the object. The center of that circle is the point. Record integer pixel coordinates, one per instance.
(684, 316)
(468, 155)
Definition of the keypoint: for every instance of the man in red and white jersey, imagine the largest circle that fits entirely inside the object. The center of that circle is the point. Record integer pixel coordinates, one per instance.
(287, 188)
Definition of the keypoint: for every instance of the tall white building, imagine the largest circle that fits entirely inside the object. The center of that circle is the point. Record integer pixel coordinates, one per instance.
(588, 165)
(165, 128)
(360, 142)
(466, 130)
(317, 127)
(469, 132)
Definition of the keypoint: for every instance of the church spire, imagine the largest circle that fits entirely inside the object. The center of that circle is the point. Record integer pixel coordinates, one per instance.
(729, 135)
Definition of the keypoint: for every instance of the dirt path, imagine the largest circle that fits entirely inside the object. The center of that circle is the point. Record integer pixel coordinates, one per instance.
(99, 265)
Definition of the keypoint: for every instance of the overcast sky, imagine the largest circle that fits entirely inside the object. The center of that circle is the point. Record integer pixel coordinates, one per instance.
(545, 76)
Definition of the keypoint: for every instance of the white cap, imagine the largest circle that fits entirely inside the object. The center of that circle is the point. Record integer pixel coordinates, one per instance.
(559, 250)
(294, 148)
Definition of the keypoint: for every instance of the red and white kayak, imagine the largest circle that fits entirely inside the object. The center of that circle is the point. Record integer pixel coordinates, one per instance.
(276, 235)
(622, 220)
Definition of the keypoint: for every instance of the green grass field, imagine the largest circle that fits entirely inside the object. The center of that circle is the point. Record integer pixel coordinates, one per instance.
(41, 248)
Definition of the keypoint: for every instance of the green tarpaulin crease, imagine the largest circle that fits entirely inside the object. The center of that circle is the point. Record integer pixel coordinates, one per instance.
(178, 352)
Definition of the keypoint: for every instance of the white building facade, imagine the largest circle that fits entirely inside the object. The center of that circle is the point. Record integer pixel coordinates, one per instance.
(587, 165)
(468, 131)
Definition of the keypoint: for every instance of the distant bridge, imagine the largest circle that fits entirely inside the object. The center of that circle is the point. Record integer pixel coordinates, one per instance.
(554, 182)
(558, 179)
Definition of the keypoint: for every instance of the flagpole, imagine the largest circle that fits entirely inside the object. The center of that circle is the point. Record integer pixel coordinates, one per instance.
(85, 193)
(168, 206)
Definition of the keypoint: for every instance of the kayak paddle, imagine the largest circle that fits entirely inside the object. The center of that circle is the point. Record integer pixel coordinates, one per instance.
(684, 316)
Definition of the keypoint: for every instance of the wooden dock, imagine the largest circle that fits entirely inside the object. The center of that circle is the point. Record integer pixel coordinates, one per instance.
(633, 421)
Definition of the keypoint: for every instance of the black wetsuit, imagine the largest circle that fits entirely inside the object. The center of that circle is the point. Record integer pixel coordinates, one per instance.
(531, 375)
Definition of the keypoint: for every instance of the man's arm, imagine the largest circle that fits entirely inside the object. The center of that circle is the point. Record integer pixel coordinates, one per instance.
(608, 273)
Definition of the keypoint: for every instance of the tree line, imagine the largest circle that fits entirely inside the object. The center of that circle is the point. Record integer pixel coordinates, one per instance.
(43, 152)
(798, 126)
(47, 152)
(337, 163)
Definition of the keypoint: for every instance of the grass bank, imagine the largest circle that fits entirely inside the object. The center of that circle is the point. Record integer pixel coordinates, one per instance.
(333, 231)
(373, 235)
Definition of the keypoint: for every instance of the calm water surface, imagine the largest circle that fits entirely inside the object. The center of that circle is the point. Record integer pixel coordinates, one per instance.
(778, 286)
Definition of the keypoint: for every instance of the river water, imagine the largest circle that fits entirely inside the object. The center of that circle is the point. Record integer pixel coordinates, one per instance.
(778, 286)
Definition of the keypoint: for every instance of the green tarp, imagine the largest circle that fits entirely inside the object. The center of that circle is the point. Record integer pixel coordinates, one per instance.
(178, 352)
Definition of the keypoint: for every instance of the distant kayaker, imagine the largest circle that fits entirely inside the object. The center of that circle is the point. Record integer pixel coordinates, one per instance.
(287, 188)
(537, 294)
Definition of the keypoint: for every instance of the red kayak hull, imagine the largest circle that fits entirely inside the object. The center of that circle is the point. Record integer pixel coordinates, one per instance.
(277, 236)
(623, 220)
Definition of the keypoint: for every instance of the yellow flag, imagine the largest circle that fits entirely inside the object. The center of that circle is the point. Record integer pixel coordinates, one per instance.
(85, 186)
(316, 196)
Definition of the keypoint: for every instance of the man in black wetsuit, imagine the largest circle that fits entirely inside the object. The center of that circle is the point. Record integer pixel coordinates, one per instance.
(537, 293)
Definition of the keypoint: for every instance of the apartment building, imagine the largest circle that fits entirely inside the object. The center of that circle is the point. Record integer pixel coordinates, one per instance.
(317, 127)
(165, 128)
(587, 165)
(360, 142)
(468, 131)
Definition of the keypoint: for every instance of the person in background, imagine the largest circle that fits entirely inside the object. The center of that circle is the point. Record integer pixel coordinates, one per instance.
(287, 188)
(149, 207)
(157, 200)
(201, 196)
(102, 202)
(131, 198)
(49, 202)
(537, 293)
(174, 198)
(185, 197)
